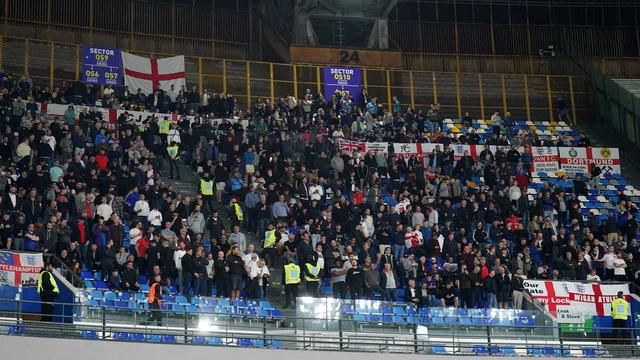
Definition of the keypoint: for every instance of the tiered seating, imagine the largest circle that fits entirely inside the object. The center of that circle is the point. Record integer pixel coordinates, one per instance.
(484, 128)
(404, 314)
(179, 305)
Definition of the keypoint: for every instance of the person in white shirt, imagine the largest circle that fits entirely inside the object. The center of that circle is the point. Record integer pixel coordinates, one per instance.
(134, 235)
(155, 217)
(619, 267)
(173, 135)
(368, 228)
(315, 192)
(108, 91)
(246, 257)
(141, 208)
(433, 216)
(177, 260)
(593, 276)
(608, 263)
(258, 275)
(104, 209)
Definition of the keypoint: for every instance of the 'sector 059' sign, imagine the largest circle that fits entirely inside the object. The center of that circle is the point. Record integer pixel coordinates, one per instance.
(101, 66)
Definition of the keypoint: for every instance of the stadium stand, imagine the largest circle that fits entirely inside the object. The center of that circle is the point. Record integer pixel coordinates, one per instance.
(398, 220)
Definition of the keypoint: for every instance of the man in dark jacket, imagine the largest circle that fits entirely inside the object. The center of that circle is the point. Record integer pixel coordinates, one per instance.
(48, 291)
(490, 290)
(187, 273)
(130, 278)
(355, 280)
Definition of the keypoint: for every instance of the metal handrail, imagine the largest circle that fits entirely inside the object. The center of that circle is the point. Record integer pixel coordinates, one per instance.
(311, 333)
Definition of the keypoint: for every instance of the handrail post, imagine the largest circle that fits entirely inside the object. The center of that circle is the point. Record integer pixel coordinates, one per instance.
(340, 334)
(264, 331)
(186, 324)
(415, 337)
(104, 324)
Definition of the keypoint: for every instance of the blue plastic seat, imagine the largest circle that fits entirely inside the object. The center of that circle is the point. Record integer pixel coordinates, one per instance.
(480, 350)
(507, 350)
(257, 343)
(397, 310)
(144, 288)
(212, 340)
(16, 330)
(178, 309)
(242, 342)
(589, 352)
(264, 304)
(154, 338)
(122, 336)
(199, 340)
(97, 295)
(168, 339)
(89, 334)
(182, 300)
(438, 349)
(137, 337)
(275, 344)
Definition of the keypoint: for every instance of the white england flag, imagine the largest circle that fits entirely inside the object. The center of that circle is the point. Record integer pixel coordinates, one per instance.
(150, 74)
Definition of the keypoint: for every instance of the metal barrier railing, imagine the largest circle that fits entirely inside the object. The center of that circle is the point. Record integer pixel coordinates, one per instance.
(303, 333)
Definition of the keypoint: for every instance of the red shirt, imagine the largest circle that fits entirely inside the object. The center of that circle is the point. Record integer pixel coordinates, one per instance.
(102, 161)
(81, 232)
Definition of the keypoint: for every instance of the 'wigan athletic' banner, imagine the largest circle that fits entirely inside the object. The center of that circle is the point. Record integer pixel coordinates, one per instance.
(20, 268)
(101, 66)
(571, 301)
(346, 80)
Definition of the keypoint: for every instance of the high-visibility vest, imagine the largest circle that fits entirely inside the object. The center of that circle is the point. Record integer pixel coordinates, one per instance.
(269, 239)
(206, 187)
(314, 271)
(173, 152)
(619, 309)
(291, 274)
(151, 296)
(164, 126)
(238, 212)
(51, 279)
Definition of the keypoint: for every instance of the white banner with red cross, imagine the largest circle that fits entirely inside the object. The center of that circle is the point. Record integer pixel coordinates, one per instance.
(572, 301)
(151, 74)
(545, 159)
(574, 160)
(20, 268)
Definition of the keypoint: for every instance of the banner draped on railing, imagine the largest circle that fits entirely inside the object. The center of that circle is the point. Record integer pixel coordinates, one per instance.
(570, 301)
(20, 268)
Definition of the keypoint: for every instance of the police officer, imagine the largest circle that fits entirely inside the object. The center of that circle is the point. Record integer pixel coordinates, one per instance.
(48, 291)
(173, 151)
(312, 275)
(291, 275)
(620, 313)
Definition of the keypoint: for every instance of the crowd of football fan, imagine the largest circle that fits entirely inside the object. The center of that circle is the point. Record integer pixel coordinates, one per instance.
(71, 186)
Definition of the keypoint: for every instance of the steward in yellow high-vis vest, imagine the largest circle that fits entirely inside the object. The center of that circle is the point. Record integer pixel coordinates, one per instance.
(48, 290)
(235, 214)
(173, 150)
(620, 313)
(164, 125)
(312, 275)
(291, 281)
(206, 187)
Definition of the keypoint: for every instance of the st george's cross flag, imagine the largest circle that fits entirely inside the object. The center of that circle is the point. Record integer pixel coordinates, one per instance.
(151, 74)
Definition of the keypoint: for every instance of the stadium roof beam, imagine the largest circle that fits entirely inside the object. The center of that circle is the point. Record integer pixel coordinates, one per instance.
(343, 23)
